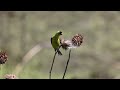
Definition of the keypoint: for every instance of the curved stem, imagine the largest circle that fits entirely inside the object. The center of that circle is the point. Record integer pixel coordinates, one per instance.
(52, 65)
(1, 70)
(53, 62)
(67, 64)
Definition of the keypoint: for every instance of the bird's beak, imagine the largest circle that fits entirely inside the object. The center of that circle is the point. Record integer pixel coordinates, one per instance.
(60, 33)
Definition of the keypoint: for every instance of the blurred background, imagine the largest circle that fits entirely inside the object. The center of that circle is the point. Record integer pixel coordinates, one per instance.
(25, 36)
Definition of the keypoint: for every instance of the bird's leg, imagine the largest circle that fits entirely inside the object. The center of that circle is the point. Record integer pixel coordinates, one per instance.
(59, 47)
(59, 52)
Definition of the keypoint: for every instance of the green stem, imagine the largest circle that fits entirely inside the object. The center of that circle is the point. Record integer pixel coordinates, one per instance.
(67, 64)
(1, 70)
(53, 62)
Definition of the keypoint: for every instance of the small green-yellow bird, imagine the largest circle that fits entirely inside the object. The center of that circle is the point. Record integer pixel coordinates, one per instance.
(55, 41)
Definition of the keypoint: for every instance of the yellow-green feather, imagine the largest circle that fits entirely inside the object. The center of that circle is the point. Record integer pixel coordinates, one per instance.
(55, 41)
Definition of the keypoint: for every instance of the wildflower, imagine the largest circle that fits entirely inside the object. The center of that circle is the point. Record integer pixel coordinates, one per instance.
(75, 42)
(3, 57)
(10, 76)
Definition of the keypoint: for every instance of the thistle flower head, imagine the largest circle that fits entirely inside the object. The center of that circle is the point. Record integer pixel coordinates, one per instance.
(10, 76)
(75, 42)
(3, 57)
(65, 44)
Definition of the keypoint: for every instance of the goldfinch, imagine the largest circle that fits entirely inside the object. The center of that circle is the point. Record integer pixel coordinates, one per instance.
(55, 42)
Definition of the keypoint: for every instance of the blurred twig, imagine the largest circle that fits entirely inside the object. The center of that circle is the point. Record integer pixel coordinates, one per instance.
(27, 58)
(67, 64)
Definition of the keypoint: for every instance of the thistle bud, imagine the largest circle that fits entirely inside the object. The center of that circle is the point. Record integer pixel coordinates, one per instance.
(3, 57)
(10, 76)
(77, 40)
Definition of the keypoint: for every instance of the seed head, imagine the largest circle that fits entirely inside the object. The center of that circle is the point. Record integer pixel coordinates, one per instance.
(10, 76)
(75, 42)
(3, 57)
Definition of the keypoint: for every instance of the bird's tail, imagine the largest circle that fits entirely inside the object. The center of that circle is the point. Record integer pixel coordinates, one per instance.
(59, 52)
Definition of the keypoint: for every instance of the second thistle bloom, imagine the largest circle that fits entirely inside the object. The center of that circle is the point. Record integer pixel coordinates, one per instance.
(3, 57)
(75, 42)
(10, 76)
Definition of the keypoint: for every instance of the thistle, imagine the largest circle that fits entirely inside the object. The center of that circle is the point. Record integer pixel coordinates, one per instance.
(10, 76)
(3, 59)
(75, 42)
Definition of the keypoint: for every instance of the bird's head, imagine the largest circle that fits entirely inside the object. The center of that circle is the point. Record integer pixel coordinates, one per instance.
(59, 33)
